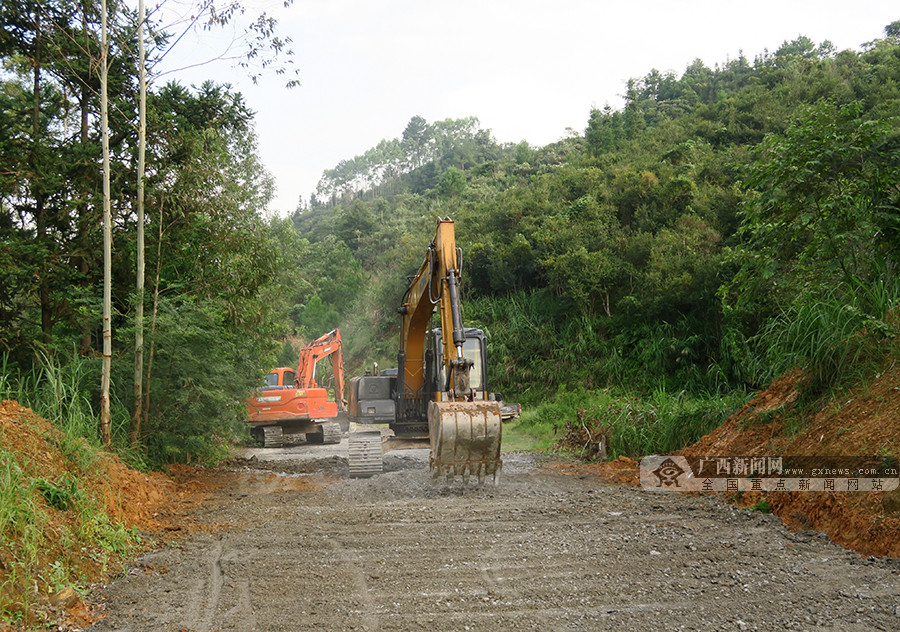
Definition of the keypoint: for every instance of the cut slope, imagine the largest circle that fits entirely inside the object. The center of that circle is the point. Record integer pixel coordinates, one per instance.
(863, 422)
(69, 515)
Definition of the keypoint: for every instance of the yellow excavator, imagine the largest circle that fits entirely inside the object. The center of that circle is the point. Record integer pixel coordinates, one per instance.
(440, 383)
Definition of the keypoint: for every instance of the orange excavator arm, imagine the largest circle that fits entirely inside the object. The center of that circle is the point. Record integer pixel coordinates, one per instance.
(328, 345)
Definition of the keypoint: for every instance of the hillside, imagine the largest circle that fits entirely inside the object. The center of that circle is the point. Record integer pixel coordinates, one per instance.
(727, 224)
(864, 421)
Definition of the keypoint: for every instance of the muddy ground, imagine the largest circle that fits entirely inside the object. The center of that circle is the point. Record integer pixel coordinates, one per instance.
(310, 549)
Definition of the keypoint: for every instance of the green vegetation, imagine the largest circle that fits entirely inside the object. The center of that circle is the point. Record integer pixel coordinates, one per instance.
(54, 532)
(634, 426)
(722, 227)
(209, 331)
(516, 439)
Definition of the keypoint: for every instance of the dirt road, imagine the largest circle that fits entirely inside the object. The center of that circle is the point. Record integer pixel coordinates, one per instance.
(542, 551)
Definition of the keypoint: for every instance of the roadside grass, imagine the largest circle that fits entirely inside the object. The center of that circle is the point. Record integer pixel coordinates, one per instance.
(59, 391)
(515, 439)
(633, 426)
(54, 529)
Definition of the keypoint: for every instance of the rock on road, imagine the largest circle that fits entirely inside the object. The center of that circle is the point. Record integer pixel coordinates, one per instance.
(542, 551)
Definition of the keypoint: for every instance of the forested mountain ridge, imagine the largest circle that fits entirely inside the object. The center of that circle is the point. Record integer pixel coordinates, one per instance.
(692, 240)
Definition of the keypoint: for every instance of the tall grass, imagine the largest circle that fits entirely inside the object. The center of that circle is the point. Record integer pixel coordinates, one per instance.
(635, 426)
(836, 336)
(56, 390)
(65, 391)
(537, 346)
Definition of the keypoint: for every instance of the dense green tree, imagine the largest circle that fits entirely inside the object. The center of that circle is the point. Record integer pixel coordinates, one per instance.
(824, 209)
(51, 187)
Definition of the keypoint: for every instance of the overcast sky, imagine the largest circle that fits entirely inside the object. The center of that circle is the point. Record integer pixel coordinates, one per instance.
(528, 70)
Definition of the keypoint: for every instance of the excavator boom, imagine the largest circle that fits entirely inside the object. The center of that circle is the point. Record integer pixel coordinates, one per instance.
(464, 426)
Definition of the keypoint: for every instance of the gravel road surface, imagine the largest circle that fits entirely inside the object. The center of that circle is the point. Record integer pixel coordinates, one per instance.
(542, 551)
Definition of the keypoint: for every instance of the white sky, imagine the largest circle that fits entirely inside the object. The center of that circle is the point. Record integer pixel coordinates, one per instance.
(527, 69)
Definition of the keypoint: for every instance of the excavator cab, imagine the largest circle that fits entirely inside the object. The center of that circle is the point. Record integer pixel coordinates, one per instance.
(282, 377)
(375, 399)
(474, 350)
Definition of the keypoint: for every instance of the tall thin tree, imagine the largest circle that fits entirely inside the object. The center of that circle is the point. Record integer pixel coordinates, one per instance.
(105, 432)
(139, 289)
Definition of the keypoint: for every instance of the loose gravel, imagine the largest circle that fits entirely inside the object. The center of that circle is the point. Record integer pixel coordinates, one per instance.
(542, 550)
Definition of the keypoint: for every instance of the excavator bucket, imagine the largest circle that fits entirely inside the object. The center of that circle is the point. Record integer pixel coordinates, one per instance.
(465, 439)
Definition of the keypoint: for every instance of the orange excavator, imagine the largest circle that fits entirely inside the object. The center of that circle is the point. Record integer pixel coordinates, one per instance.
(293, 403)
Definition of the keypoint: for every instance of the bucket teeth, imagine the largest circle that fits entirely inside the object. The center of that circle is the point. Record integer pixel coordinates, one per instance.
(466, 471)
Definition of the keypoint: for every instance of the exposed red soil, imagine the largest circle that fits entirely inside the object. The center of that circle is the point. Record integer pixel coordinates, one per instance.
(741, 434)
(864, 422)
(621, 471)
(157, 504)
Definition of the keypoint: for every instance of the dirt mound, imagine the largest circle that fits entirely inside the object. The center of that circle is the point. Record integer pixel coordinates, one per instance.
(746, 432)
(58, 490)
(621, 471)
(864, 422)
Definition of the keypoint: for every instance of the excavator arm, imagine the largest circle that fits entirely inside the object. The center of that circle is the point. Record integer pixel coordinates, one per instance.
(464, 432)
(324, 346)
(435, 285)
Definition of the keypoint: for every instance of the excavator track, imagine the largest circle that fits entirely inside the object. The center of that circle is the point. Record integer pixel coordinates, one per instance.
(331, 432)
(366, 454)
(270, 436)
(328, 432)
(465, 440)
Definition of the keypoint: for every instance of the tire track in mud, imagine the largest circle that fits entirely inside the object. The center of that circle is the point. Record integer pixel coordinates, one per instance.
(205, 599)
(350, 561)
(211, 597)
